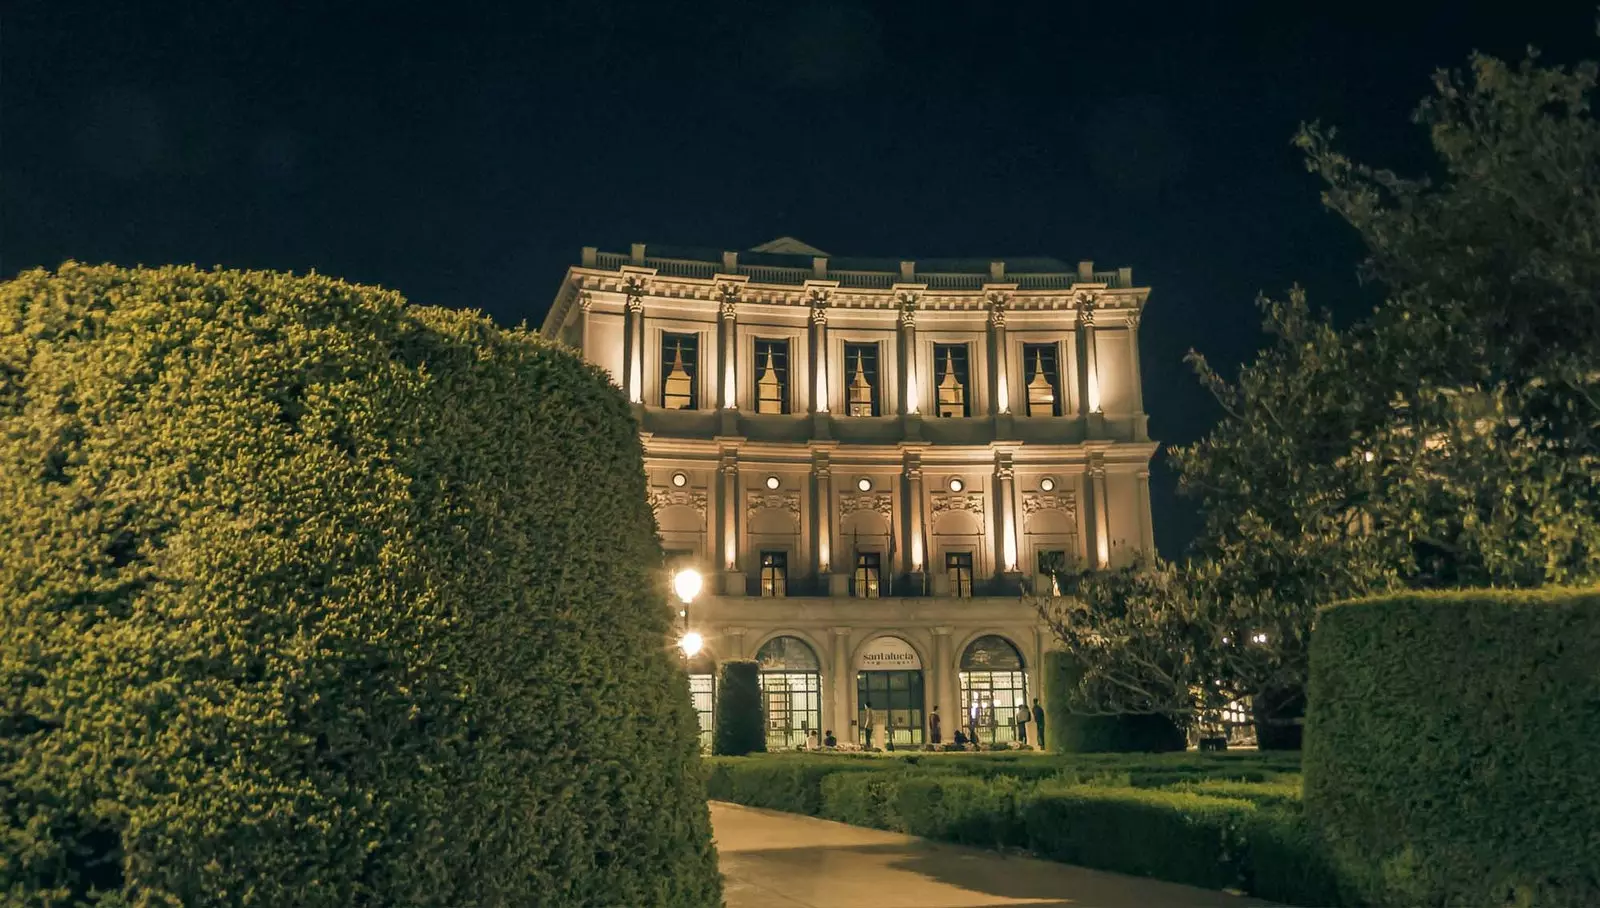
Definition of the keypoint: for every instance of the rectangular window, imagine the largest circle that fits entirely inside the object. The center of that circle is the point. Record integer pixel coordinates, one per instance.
(1041, 376)
(958, 567)
(772, 376)
(861, 379)
(1052, 564)
(869, 570)
(951, 386)
(774, 573)
(680, 371)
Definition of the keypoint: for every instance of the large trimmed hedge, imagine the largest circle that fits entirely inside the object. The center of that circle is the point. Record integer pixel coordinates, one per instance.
(311, 597)
(1072, 732)
(1451, 750)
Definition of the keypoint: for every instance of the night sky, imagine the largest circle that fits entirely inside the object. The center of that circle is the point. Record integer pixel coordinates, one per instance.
(463, 152)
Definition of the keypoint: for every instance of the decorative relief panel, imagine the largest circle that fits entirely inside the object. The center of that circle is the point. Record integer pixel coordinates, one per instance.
(663, 498)
(778, 501)
(957, 501)
(1065, 502)
(851, 502)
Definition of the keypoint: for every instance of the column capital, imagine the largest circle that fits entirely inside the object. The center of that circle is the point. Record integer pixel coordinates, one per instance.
(841, 631)
(728, 295)
(1086, 305)
(635, 286)
(942, 631)
(735, 631)
(585, 301)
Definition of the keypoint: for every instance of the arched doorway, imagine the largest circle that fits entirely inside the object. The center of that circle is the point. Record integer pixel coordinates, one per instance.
(889, 694)
(993, 689)
(703, 694)
(791, 687)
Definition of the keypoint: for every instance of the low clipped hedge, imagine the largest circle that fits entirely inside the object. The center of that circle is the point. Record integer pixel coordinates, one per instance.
(1214, 832)
(1071, 732)
(740, 728)
(1451, 750)
(310, 597)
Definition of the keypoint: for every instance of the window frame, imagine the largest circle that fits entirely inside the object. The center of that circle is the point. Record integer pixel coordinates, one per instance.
(857, 578)
(1055, 376)
(874, 375)
(781, 569)
(963, 376)
(952, 565)
(785, 372)
(666, 339)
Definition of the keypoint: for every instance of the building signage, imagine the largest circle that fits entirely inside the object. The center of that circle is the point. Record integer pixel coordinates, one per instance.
(888, 654)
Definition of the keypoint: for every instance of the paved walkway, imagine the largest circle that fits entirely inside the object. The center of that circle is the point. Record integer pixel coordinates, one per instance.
(782, 860)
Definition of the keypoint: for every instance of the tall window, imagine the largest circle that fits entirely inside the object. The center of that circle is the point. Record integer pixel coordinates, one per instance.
(774, 573)
(958, 567)
(791, 685)
(1053, 564)
(994, 692)
(950, 364)
(1041, 365)
(861, 379)
(869, 571)
(772, 376)
(680, 365)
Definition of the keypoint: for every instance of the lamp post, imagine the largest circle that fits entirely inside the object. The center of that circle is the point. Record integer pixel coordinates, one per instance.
(686, 584)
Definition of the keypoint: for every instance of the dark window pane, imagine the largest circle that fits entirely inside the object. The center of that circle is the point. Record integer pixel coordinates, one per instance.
(861, 380)
(952, 389)
(1041, 375)
(680, 373)
(772, 376)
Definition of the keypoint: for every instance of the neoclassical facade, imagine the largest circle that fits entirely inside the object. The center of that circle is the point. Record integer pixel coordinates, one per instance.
(872, 461)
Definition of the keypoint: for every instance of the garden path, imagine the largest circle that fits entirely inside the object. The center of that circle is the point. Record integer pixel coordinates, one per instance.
(782, 860)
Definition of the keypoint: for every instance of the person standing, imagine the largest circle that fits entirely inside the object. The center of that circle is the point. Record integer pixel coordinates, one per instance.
(868, 742)
(1021, 719)
(933, 727)
(1038, 722)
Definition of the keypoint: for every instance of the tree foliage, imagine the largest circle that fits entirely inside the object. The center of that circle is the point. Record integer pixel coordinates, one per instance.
(311, 597)
(1449, 439)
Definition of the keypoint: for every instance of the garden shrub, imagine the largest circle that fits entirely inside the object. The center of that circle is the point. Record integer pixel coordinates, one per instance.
(311, 597)
(1176, 836)
(1277, 712)
(739, 727)
(1070, 732)
(1282, 792)
(781, 782)
(862, 798)
(1284, 859)
(1450, 746)
(982, 812)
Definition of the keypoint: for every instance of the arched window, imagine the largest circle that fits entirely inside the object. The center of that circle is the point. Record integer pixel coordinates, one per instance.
(994, 693)
(791, 683)
(703, 694)
(889, 694)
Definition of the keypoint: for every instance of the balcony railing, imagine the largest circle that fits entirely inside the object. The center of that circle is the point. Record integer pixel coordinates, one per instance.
(870, 280)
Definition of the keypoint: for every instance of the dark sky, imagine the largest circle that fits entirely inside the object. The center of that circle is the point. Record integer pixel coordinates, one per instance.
(463, 152)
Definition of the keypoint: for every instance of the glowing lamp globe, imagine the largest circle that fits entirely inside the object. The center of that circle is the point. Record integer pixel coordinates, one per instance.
(686, 583)
(691, 643)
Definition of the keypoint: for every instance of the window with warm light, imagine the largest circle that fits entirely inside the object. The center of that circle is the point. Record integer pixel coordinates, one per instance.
(772, 376)
(950, 365)
(1042, 371)
(774, 573)
(869, 573)
(861, 379)
(1052, 563)
(679, 371)
(958, 568)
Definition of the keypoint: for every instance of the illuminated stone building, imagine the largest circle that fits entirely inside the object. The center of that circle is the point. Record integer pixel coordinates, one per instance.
(872, 460)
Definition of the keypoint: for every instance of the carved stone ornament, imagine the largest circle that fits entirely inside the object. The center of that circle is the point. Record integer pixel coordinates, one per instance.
(1086, 306)
(728, 295)
(998, 300)
(958, 501)
(1097, 466)
(1065, 502)
(777, 501)
(635, 286)
(908, 308)
(851, 502)
(664, 498)
(585, 301)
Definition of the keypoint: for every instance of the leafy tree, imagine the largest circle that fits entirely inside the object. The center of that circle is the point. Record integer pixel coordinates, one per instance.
(740, 726)
(312, 597)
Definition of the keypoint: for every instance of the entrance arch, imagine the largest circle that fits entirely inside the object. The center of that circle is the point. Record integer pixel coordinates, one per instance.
(889, 694)
(791, 691)
(994, 691)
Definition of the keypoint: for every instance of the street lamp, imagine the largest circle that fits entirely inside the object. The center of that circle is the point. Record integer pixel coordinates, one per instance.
(686, 584)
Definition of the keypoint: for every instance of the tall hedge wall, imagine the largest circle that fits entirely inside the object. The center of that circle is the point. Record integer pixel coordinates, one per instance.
(1076, 733)
(311, 597)
(1451, 747)
(740, 726)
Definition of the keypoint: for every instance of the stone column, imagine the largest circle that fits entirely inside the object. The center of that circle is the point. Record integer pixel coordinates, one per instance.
(819, 350)
(1005, 514)
(844, 688)
(822, 516)
(729, 376)
(910, 388)
(633, 338)
(585, 303)
(1140, 420)
(1147, 537)
(942, 686)
(1000, 398)
(916, 539)
(1100, 545)
(1091, 367)
(733, 581)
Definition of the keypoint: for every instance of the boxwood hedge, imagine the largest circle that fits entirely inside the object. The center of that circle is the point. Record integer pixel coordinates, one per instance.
(311, 597)
(1451, 746)
(740, 728)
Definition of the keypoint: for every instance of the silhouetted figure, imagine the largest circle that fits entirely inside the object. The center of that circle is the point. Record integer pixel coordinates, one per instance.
(933, 727)
(1038, 721)
(1021, 719)
(868, 730)
(828, 740)
(961, 738)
